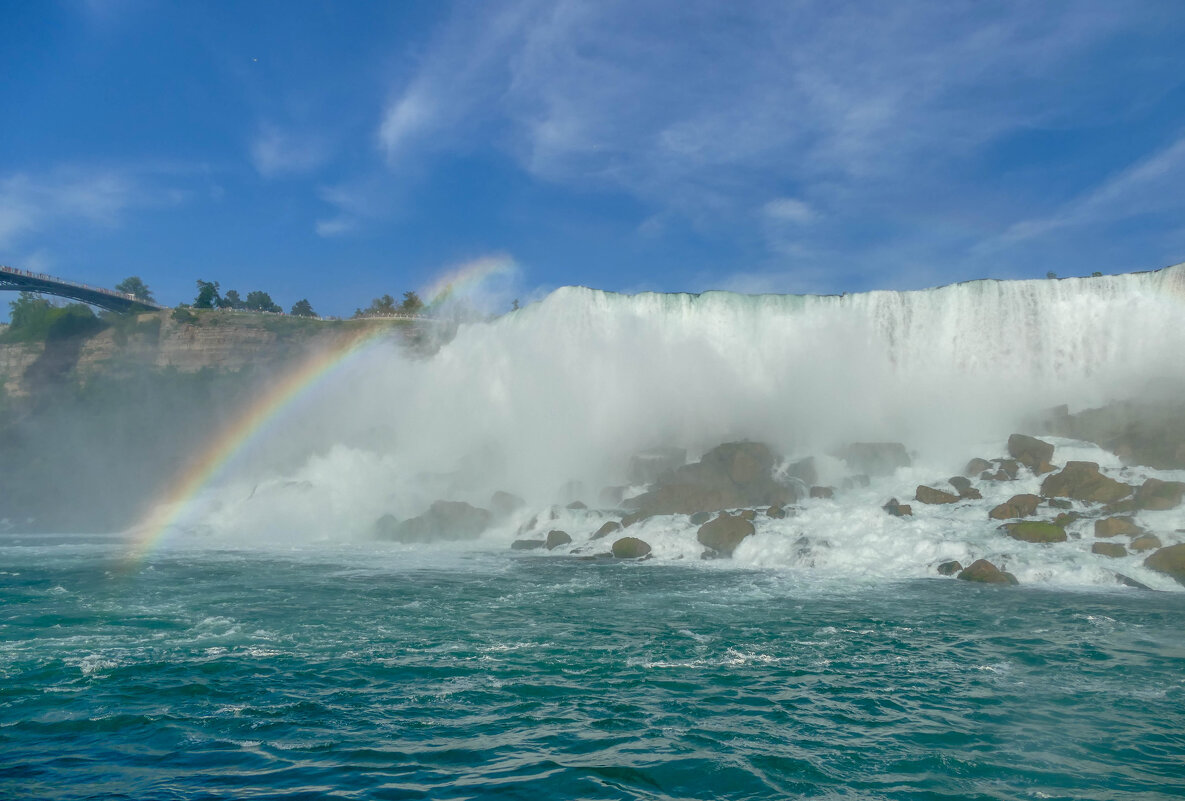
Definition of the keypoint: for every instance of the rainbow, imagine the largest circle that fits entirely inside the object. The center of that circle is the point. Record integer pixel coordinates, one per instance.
(261, 417)
(467, 276)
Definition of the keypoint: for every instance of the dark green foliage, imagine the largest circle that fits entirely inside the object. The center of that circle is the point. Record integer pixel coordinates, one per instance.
(232, 300)
(135, 287)
(302, 308)
(182, 314)
(262, 301)
(411, 303)
(207, 296)
(379, 307)
(34, 319)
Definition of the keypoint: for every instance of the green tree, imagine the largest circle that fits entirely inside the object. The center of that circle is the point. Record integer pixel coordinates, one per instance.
(28, 311)
(411, 303)
(379, 307)
(261, 301)
(207, 296)
(232, 300)
(302, 308)
(135, 287)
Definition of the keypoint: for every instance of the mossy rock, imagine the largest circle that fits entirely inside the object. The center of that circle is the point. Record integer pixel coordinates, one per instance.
(1036, 531)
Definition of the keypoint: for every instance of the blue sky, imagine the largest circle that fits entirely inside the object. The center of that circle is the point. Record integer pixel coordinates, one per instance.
(337, 151)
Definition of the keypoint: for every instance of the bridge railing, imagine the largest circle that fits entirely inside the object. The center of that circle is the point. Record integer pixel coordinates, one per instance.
(4, 269)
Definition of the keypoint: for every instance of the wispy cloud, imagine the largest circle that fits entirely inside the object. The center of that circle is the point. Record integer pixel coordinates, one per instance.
(32, 202)
(275, 152)
(707, 111)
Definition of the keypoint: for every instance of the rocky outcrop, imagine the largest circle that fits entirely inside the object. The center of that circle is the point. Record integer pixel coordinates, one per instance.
(608, 528)
(1082, 481)
(898, 509)
(1016, 506)
(1145, 542)
(1141, 432)
(930, 495)
(1157, 495)
(1170, 561)
(504, 504)
(630, 548)
(444, 521)
(1036, 531)
(984, 572)
(729, 476)
(950, 568)
(556, 538)
(1110, 549)
(1031, 452)
(724, 534)
(1116, 527)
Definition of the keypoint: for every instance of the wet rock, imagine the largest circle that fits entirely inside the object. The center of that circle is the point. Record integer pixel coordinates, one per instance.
(1061, 503)
(1066, 518)
(874, 458)
(1010, 467)
(983, 571)
(724, 534)
(630, 548)
(1170, 561)
(1111, 549)
(898, 509)
(1117, 527)
(699, 518)
(608, 528)
(1036, 531)
(971, 494)
(527, 545)
(636, 517)
(1127, 581)
(1145, 542)
(1147, 431)
(1016, 506)
(977, 467)
(504, 504)
(611, 496)
(1082, 481)
(1125, 507)
(960, 483)
(859, 480)
(1031, 452)
(930, 495)
(1157, 495)
(823, 492)
(384, 527)
(804, 471)
(444, 521)
(729, 476)
(748, 514)
(576, 506)
(775, 511)
(950, 568)
(556, 538)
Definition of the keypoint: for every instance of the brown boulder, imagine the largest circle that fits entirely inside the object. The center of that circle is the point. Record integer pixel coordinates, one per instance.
(1116, 527)
(1016, 506)
(748, 514)
(630, 548)
(1145, 542)
(977, 466)
(983, 571)
(776, 512)
(930, 495)
(960, 483)
(1036, 531)
(1170, 561)
(556, 538)
(1082, 481)
(898, 509)
(724, 534)
(1157, 495)
(823, 492)
(730, 475)
(604, 531)
(1111, 549)
(950, 568)
(1031, 452)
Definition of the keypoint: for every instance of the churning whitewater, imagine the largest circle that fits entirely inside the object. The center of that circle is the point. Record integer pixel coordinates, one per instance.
(557, 404)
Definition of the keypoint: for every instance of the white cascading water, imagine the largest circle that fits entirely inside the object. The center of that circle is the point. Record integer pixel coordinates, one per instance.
(568, 389)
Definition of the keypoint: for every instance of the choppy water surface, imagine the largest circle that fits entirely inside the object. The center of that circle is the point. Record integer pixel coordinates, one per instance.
(362, 673)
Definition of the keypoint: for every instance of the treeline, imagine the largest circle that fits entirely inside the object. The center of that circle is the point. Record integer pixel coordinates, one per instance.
(209, 296)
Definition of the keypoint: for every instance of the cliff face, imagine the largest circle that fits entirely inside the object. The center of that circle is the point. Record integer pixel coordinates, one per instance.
(218, 340)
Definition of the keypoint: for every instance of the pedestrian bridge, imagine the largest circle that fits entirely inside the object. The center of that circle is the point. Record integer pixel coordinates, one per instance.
(15, 280)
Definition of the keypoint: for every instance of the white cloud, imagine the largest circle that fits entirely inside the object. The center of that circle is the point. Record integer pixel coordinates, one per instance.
(275, 152)
(335, 226)
(790, 210)
(31, 202)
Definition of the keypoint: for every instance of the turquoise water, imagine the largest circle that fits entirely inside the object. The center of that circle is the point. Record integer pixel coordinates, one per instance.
(379, 673)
